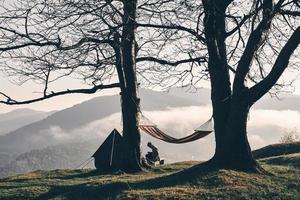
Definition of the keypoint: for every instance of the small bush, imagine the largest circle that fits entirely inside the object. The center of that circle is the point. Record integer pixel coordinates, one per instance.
(290, 136)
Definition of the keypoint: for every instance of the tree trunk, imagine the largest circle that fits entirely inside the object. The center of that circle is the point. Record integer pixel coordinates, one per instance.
(229, 111)
(235, 151)
(131, 134)
(214, 23)
(129, 93)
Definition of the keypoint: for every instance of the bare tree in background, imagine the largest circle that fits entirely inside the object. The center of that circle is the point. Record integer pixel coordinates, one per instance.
(250, 43)
(92, 41)
(290, 136)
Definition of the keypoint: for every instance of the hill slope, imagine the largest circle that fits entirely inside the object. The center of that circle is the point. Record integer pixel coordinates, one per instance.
(61, 132)
(18, 118)
(49, 158)
(35, 135)
(154, 184)
(292, 160)
(286, 154)
(277, 150)
(162, 182)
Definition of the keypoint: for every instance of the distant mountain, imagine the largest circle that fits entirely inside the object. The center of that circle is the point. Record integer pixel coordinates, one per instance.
(35, 135)
(34, 147)
(19, 113)
(201, 95)
(72, 155)
(52, 157)
(68, 137)
(18, 118)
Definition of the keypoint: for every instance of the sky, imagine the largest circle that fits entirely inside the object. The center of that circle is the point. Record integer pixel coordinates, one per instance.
(30, 90)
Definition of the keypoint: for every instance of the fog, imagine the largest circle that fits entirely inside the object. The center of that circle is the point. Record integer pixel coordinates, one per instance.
(265, 127)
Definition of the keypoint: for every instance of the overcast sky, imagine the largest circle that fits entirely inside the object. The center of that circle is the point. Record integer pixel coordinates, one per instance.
(30, 90)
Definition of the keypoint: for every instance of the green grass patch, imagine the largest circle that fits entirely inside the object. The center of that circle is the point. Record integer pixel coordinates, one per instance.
(292, 160)
(277, 150)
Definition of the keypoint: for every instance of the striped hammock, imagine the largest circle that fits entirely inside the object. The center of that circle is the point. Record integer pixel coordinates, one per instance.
(151, 129)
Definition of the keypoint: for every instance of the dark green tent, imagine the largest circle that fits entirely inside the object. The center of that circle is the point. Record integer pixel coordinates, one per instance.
(108, 157)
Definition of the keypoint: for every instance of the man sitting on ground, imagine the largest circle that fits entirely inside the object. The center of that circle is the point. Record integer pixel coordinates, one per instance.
(152, 156)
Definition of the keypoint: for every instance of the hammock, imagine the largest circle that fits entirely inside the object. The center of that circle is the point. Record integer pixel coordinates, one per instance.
(150, 128)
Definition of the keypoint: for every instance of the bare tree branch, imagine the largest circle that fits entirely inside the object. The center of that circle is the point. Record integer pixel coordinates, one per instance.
(10, 101)
(254, 42)
(174, 27)
(289, 12)
(282, 61)
(171, 63)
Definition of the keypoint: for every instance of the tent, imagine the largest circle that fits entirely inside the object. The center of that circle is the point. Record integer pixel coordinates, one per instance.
(109, 157)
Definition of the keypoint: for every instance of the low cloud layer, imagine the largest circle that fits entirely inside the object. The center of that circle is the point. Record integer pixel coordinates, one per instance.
(265, 127)
(268, 126)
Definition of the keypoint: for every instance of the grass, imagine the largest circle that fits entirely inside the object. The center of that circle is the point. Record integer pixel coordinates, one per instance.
(163, 182)
(88, 184)
(292, 160)
(277, 150)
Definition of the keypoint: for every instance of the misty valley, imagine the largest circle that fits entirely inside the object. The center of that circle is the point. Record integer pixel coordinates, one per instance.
(65, 139)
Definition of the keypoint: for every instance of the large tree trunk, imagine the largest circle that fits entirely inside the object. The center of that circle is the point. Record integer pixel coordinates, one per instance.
(131, 134)
(235, 151)
(229, 111)
(129, 93)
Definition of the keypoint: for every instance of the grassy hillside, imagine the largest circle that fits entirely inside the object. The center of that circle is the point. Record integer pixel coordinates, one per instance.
(277, 150)
(292, 160)
(154, 184)
(162, 182)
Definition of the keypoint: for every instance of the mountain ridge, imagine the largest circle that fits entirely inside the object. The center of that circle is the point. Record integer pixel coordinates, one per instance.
(80, 114)
(20, 117)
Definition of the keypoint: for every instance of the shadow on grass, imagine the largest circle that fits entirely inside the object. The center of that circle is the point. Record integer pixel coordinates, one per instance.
(112, 190)
(188, 175)
(83, 175)
(83, 191)
(78, 174)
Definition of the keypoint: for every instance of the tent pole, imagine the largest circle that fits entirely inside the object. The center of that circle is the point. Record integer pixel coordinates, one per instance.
(112, 149)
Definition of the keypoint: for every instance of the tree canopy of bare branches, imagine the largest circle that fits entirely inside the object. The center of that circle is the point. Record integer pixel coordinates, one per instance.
(242, 47)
